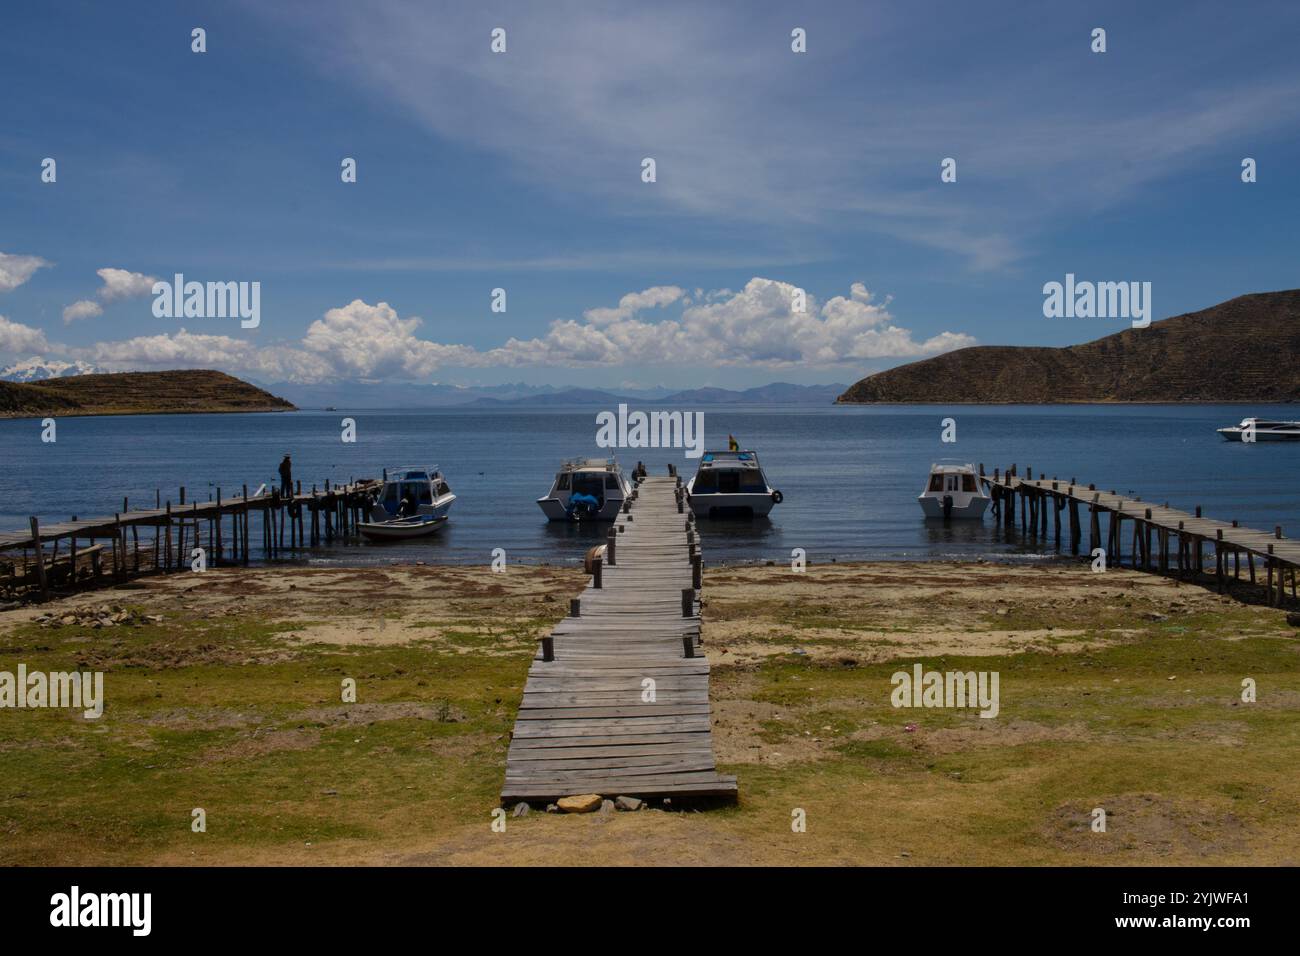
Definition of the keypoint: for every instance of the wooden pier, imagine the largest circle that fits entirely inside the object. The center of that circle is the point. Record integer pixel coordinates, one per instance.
(617, 699)
(1163, 539)
(222, 526)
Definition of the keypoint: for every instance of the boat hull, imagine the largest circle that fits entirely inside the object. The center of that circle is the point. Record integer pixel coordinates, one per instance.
(739, 504)
(964, 506)
(1235, 434)
(556, 509)
(401, 529)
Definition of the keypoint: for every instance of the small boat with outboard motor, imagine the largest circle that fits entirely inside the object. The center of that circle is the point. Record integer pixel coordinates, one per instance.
(953, 490)
(586, 489)
(412, 503)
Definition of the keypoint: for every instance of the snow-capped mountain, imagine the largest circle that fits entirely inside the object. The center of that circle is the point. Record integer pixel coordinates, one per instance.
(36, 369)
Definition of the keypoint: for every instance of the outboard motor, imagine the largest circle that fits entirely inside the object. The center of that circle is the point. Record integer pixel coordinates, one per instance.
(947, 507)
(583, 506)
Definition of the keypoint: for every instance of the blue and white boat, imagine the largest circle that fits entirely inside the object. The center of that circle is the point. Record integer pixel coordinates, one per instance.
(586, 489)
(413, 502)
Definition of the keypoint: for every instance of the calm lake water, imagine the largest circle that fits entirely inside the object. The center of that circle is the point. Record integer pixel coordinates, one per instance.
(850, 476)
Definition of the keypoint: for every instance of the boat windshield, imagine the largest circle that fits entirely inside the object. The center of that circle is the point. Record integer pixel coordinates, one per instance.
(730, 482)
(951, 481)
(589, 483)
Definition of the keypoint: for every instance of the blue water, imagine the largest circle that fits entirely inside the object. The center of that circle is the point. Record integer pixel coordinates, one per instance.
(850, 475)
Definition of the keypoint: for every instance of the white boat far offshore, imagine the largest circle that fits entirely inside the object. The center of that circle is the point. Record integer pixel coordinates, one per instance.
(1258, 429)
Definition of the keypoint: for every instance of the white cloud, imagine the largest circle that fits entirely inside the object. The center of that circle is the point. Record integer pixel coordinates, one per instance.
(82, 309)
(121, 284)
(15, 338)
(635, 302)
(15, 270)
(370, 341)
(756, 326)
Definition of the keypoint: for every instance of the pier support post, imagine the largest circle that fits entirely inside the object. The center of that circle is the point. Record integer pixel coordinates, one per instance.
(548, 648)
(40, 559)
(688, 602)
(575, 607)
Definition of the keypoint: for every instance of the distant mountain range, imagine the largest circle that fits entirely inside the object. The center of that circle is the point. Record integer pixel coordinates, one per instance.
(1244, 350)
(357, 395)
(37, 369)
(778, 393)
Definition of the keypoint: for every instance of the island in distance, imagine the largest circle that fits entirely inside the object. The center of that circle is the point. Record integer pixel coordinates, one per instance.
(185, 391)
(1244, 350)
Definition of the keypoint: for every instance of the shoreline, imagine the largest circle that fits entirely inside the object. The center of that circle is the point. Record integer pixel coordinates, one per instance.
(1118, 689)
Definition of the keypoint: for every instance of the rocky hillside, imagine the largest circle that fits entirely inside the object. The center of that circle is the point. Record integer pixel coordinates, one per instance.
(1244, 350)
(136, 393)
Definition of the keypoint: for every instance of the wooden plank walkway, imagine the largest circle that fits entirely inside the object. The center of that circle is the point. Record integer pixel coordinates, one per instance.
(586, 723)
(1164, 539)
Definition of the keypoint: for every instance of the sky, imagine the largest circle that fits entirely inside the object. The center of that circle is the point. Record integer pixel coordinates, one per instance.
(775, 171)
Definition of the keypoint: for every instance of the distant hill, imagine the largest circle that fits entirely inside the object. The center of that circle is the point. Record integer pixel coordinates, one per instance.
(136, 393)
(1244, 350)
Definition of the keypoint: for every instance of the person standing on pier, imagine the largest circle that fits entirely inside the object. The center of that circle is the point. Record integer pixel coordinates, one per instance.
(286, 477)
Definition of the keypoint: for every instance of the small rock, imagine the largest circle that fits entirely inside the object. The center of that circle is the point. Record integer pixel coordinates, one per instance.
(1293, 618)
(552, 808)
(521, 809)
(628, 803)
(606, 807)
(580, 803)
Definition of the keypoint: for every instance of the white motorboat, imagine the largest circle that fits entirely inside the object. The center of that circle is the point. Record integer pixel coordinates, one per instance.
(1257, 429)
(731, 483)
(400, 529)
(586, 489)
(412, 492)
(953, 491)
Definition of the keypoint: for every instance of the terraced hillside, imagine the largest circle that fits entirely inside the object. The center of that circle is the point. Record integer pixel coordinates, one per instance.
(137, 393)
(1244, 350)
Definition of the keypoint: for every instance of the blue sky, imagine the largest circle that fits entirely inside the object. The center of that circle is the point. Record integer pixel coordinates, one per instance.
(522, 171)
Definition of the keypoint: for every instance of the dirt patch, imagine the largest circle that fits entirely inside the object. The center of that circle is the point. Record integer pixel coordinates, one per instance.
(1150, 823)
(261, 743)
(362, 715)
